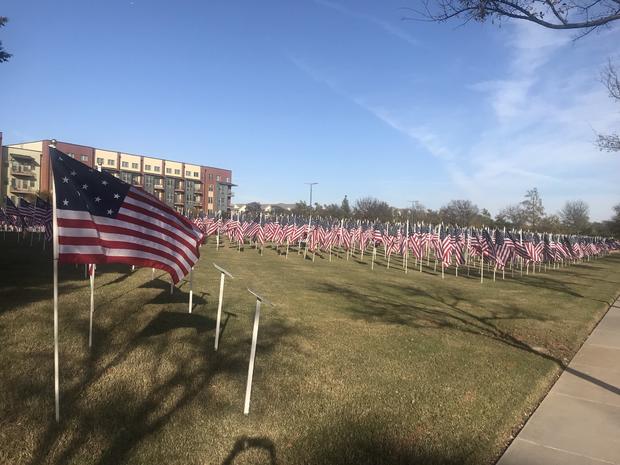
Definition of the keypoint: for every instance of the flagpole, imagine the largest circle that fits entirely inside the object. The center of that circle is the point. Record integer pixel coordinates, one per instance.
(92, 305)
(191, 291)
(55, 261)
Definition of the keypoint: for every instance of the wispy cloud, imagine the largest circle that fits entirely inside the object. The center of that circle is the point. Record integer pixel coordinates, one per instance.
(538, 132)
(382, 24)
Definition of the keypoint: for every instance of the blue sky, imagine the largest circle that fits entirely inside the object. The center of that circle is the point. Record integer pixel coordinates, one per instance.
(343, 93)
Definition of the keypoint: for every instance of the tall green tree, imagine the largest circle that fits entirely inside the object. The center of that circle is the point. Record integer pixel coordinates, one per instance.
(345, 207)
(533, 210)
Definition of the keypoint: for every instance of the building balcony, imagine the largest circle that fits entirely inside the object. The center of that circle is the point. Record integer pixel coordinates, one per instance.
(25, 190)
(179, 202)
(23, 172)
(159, 187)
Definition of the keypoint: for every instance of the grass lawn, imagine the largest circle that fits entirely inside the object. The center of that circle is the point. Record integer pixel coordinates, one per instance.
(353, 366)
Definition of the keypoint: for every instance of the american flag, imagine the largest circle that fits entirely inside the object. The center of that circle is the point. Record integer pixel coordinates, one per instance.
(101, 219)
(12, 212)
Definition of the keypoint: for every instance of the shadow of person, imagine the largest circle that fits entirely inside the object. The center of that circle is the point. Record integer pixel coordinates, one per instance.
(245, 444)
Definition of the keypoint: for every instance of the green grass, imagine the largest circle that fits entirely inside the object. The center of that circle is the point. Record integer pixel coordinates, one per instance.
(353, 366)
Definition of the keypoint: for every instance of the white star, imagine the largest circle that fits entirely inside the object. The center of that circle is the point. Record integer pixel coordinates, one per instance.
(97, 199)
(109, 212)
(85, 186)
(78, 194)
(73, 173)
(65, 202)
(116, 196)
(104, 182)
(65, 179)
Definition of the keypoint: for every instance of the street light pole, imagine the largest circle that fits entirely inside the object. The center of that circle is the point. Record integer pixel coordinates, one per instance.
(311, 184)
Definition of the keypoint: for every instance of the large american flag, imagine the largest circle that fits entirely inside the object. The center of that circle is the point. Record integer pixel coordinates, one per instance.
(102, 219)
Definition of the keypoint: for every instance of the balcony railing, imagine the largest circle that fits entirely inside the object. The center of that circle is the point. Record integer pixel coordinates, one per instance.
(159, 186)
(20, 171)
(31, 190)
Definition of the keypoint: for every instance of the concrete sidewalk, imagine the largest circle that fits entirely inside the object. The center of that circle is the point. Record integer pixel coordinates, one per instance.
(579, 420)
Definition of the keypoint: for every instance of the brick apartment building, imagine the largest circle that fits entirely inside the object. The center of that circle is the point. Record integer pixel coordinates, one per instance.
(191, 189)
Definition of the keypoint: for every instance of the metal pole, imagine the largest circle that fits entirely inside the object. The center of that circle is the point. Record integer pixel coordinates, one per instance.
(219, 311)
(92, 305)
(248, 388)
(55, 254)
(191, 291)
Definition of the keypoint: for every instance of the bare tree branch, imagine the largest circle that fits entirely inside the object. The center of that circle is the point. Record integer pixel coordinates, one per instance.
(552, 14)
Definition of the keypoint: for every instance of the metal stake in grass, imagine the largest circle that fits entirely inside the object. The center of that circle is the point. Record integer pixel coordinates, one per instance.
(248, 387)
(223, 274)
(91, 270)
(191, 290)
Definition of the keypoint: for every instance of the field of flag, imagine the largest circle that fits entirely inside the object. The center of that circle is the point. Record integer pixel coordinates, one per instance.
(352, 366)
(363, 355)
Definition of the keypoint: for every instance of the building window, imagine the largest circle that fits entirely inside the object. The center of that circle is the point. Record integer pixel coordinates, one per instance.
(100, 161)
(156, 168)
(31, 183)
(84, 158)
(71, 155)
(125, 164)
(111, 162)
(227, 179)
(147, 167)
(210, 199)
(217, 178)
(196, 174)
(188, 173)
(210, 188)
(134, 166)
(168, 170)
(177, 171)
(210, 176)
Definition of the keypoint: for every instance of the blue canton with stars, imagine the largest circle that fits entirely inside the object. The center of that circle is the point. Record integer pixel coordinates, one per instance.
(82, 188)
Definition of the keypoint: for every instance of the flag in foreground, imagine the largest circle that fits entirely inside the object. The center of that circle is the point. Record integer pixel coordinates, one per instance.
(102, 219)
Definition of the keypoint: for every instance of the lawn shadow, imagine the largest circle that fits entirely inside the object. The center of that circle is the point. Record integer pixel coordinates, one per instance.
(245, 444)
(188, 377)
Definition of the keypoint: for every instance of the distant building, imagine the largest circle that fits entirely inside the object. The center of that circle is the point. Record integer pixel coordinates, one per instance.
(266, 207)
(188, 188)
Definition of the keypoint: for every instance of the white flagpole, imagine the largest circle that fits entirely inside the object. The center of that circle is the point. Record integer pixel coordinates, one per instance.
(248, 387)
(191, 290)
(55, 260)
(92, 305)
(219, 311)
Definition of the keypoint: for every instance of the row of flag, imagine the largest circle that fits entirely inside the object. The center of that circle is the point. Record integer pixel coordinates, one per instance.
(34, 216)
(450, 245)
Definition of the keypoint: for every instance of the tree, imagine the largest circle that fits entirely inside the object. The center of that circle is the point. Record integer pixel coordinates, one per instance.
(613, 225)
(4, 55)
(369, 208)
(253, 207)
(553, 14)
(512, 216)
(533, 210)
(551, 224)
(301, 208)
(575, 216)
(609, 76)
(345, 207)
(461, 212)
